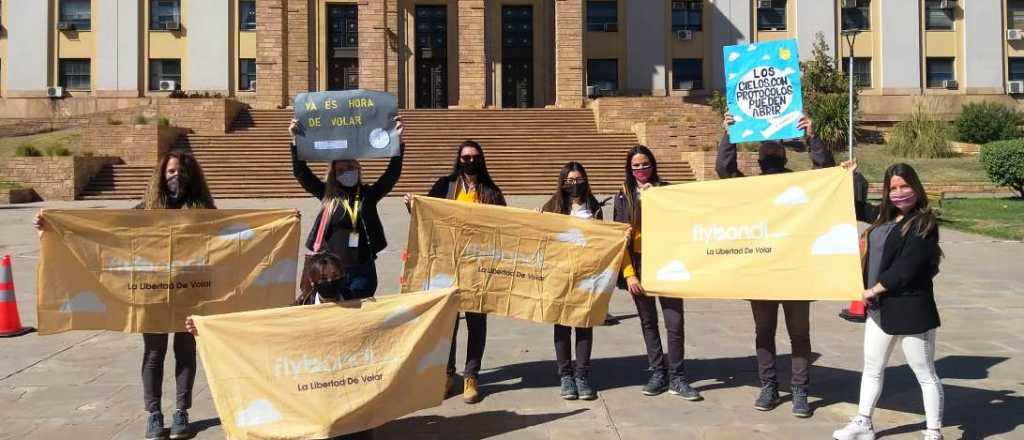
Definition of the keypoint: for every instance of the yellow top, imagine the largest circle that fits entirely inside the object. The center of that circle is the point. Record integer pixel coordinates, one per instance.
(627, 269)
(466, 196)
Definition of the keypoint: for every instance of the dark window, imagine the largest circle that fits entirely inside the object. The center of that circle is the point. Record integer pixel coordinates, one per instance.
(343, 26)
(164, 15)
(861, 71)
(247, 74)
(603, 74)
(1016, 69)
(939, 70)
(687, 74)
(771, 18)
(1015, 14)
(247, 15)
(164, 70)
(859, 17)
(936, 18)
(74, 74)
(77, 14)
(602, 16)
(687, 15)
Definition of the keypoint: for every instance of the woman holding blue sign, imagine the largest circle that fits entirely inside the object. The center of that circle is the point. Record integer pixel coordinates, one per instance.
(641, 174)
(348, 224)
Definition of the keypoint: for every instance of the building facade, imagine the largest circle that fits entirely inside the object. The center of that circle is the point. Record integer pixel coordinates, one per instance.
(493, 53)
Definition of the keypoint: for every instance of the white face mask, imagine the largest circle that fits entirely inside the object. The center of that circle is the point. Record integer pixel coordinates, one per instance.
(348, 178)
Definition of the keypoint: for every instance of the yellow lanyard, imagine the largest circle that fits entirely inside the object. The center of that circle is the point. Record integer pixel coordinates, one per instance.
(353, 210)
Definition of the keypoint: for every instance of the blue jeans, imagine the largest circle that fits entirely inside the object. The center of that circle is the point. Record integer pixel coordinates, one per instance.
(362, 279)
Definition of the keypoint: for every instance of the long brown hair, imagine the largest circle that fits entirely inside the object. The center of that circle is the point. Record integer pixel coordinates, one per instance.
(314, 270)
(922, 218)
(488, 190)
(630, 184)
(560, 202)
(194, 191)
(332, 189)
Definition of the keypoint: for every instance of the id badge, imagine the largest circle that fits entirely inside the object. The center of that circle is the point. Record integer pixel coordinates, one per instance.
(353, 240)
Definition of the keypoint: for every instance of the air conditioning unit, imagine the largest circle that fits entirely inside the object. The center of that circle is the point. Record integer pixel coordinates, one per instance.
(65, 26)
(172, 26)
(252, 85)
(764, 4)
(1015, 87)
(684, 34)
(591, 91)
(1014, 34)
(850, 4)
(678, 4)
(611, 27)
(55, 92)
(168, 86)
(950, 84)
(947, 4)
(689, 85)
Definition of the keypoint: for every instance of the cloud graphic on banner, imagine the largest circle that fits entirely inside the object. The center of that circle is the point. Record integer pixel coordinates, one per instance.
(787, 71)
(138, 265)
(766, 58)
(792, 196)
(240, 231)
(280, 273)
(751, 48)
(436, 357)
(402, 314)
(747, 133)
(840, 240)
(734, 56)
(574, 236)
(84, 302)
(259, 412)
(439, 281)
(737, 118)
(674, 271)
(596, 284)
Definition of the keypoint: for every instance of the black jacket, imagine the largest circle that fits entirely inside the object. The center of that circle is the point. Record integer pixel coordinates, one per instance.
(726, 166)
(371, 231)
(908, 265)
(445, 188)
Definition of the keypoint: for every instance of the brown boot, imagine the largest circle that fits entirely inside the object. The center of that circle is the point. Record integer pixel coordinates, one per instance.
(470, 393)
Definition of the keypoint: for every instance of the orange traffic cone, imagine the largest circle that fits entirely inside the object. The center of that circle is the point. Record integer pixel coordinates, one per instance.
(10, 322)
(855, 313)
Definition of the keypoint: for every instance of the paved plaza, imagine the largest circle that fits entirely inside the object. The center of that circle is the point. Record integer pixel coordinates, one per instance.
(86, 384)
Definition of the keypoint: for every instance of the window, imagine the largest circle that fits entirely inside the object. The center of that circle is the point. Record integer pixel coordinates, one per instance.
(77, 14)
(859, 17)
(164, 15)
(74, 74)
(164, 70)
(936, 18)
(939, 70)
(343, 26)
(603, 74)
(687, 74)
(1015, 14)
(1016, 69)
(861, 71)
(247, 74)
(687, 15)
(773, 18)
(602, 16)
(247, 15)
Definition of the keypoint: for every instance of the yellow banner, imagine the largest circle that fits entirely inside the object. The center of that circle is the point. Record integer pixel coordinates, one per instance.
(787, 236)
(547, 268)
(327, 370)
(140, 270)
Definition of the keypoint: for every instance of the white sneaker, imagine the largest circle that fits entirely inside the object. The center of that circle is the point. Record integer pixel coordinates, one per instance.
(932, 435)
(859, 428)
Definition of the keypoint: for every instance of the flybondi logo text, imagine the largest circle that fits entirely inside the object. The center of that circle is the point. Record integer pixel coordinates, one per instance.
(301, 365)
(709, 233)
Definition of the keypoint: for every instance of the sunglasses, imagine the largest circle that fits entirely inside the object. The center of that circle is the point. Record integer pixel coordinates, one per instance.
(575, 181)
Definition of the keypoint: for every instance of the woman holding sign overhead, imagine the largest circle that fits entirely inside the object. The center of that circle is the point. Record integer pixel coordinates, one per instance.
(348, 224)
(642, 174)
(469, 182)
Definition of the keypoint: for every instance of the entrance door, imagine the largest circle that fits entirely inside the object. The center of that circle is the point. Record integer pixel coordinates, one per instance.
(342, 47)
(431, 56)
(517, 56)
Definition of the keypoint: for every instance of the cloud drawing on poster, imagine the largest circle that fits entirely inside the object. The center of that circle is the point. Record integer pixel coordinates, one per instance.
(436, 357)
(84, 302)
(674, 271)
(839, 240)
(259, 412)
(792, 196)
(402, 314)
(240, 231)
(439, 281)
(574, 236)
(597, 284)
(281, 273)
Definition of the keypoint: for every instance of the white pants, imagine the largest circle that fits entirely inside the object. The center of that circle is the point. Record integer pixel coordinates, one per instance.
(920, 353)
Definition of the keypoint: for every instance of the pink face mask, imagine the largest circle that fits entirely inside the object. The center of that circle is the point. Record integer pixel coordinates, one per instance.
(905, 201)
(642, 175)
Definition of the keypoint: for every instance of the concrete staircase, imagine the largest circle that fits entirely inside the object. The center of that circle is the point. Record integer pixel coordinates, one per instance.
(525, 150)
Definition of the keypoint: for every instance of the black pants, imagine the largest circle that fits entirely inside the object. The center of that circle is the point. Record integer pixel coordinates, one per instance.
(672, 309)
(476, 327)
(563, 350)
(154, 352)
(798, 324)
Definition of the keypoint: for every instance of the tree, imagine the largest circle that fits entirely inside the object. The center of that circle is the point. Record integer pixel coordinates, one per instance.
(826, 95)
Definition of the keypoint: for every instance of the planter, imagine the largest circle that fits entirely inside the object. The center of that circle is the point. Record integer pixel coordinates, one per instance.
(54, 178)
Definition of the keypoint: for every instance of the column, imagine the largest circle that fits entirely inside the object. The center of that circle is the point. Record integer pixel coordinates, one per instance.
(372, 45)
(983, 29)
(209, 66)
(730, 24)
(472, 54)
(27, 48)
(646, 46)
(569, 21)
(271, 90)
(297, 35)
(117, 61)
(901, 48)
(813, 17)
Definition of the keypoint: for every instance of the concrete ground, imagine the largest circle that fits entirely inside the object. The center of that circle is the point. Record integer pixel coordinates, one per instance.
(86, 385)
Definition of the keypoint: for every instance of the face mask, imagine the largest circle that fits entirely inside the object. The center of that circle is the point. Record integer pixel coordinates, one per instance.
(348, 178)
(333, 291)
(905, 201)
(470, 168)
(174, 186)
(573, 190)
(642, 175)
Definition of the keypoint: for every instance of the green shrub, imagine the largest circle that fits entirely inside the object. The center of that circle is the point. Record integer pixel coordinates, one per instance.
(718, 103)
(27, 151)
(57, 150)
(981, 123)
(163, 121)
(1004, 163)
(827, 95)
(140, 120)
(921, 136)
(830, 112)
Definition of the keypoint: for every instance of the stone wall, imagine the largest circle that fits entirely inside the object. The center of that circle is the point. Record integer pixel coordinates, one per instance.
(202, 116)
(472, 72)
(133, 144)
(298, 36)
(703, 164)
(665, 124)
(569, 66)
(271, 51)
(54, 178)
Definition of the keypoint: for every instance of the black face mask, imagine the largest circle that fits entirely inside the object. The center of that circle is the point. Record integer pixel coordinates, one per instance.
(772, 164)
(573, 190)
(174, 185)
(469, 168)
(333, 291)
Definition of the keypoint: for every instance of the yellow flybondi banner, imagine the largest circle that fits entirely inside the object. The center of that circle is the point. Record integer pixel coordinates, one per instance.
(547, 268)
(138, 270)
(327, 370)
(786, 236)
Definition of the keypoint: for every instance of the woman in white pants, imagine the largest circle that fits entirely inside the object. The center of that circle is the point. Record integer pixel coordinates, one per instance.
(901, 256)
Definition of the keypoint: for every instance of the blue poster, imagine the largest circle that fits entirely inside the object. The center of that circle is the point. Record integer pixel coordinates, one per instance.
(762, 87)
